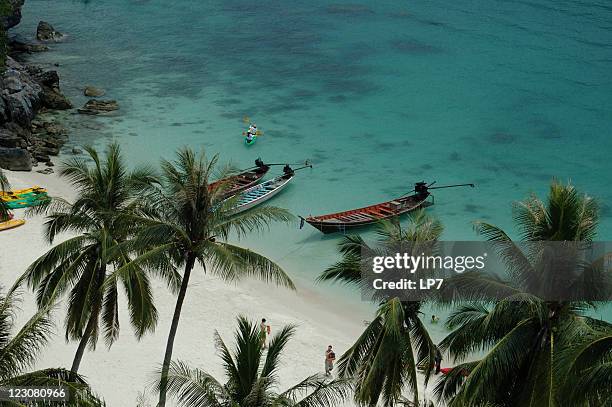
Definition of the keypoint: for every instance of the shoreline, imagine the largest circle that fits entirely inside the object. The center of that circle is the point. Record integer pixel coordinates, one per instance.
(210, 305)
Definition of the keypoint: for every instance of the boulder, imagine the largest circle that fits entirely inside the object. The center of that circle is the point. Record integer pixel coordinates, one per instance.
(20, 46)
(93, 92)
(9, 140)
(94, 106)
(15, 159)
(52, 98)
(46, 32)
(20, 94)
(46, 171)
(41, 157)
(48, 78)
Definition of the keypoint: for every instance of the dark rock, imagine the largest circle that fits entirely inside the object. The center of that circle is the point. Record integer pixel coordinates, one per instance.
(46, 32)
(46, 171)
(76, 151)
(15, 159)
(94, 106)
(47, 150)
(53, 99)
(94, 92)
(9, 140)
(48, 78)
(19, 46)
(42, 158)
(51, 96)
(49, 164)
(20, 94)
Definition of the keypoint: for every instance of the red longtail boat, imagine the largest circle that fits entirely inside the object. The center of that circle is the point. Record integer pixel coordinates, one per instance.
(239, 182)
(346, 220)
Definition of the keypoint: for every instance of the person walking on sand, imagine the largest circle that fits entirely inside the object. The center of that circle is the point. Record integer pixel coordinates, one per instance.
(265, 331)
(330, 356)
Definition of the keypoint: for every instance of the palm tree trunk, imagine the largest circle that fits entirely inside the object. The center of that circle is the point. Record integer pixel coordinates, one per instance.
(91, 325)
(93, 319)
(163, 384)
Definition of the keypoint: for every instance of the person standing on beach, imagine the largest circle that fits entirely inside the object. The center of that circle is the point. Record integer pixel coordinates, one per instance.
(438, 360)
(265, 332)
(330, 356)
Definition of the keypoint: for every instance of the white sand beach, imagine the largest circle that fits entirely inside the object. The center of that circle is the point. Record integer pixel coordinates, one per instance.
(124, 370)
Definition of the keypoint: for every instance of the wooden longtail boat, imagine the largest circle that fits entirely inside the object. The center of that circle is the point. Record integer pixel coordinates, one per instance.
(346, 220)
(235, 183)
(260, 193)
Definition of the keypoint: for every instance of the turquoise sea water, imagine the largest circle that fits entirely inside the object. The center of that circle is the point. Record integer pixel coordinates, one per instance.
(505, 94)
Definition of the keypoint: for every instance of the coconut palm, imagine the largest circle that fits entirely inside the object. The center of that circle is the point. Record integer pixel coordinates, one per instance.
(525, 325)
(189, 221)
(252, 375)
(19, 350)
(590, 369)
(382, 360)
(83, 264)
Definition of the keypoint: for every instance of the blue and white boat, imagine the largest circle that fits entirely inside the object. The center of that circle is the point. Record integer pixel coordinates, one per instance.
(261, 192)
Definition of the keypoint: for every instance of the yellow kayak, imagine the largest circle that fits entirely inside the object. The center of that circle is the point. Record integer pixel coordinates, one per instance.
(18, 192)
(10, 224)
(24, 196)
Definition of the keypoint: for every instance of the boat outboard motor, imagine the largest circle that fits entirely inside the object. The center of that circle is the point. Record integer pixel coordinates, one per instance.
(287, 170)
(421, 190)
(261, 167)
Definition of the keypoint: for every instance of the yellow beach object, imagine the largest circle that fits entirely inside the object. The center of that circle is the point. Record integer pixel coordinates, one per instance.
(33, 189)
(10, 224)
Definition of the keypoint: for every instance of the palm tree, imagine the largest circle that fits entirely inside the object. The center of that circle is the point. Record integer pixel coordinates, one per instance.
(524, 329)
(83, 264)
(19, 352)
(382, 359)
(251, 377)
(188, 221)
(589, 361)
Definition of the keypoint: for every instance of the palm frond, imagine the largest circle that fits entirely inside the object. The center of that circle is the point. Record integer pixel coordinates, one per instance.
(233, 263)
(194, 388)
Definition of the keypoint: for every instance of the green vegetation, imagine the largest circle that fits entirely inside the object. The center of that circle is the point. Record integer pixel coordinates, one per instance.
(382, 360)
(81, 265)
(526, 335)
(129, 227)
(251, 376)
(19, 351)
(185, 220)
(5, 9)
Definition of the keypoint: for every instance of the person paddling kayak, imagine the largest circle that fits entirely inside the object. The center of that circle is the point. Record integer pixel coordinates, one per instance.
(251, 133)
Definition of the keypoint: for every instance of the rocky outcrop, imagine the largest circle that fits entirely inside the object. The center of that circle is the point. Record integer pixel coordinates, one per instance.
(20, 94)
(51, 96)
(93, 92)
(24, 91)
(12, 16)
(46, 32)
(15, 159)
(94, 106)
(25, 138)
(17, 46)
